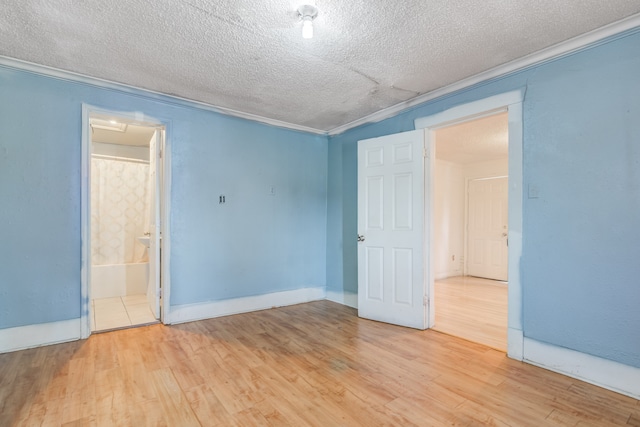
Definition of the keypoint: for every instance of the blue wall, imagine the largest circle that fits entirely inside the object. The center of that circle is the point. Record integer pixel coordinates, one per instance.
(254, 244)
(581, 237)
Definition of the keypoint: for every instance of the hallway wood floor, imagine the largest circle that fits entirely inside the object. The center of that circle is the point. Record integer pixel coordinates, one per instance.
(472, 308)
(314, 364)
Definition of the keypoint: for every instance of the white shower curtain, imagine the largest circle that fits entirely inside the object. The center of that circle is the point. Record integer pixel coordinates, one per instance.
(120, 211)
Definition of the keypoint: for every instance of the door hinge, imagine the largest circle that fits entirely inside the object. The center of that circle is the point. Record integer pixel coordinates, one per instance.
(160, 293)
(425, 154)
(160, 153)
(425, 301)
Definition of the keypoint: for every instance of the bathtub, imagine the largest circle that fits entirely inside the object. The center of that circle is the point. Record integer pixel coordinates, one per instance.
(118, 280)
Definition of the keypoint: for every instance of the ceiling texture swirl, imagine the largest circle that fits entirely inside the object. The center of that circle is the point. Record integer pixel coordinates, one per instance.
(250, 57)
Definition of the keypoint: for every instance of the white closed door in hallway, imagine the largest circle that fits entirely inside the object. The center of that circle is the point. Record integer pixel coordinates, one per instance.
(488, 228)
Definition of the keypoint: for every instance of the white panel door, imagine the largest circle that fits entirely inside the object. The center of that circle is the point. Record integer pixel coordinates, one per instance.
(487, 233)
(391, 218)
(153, 286)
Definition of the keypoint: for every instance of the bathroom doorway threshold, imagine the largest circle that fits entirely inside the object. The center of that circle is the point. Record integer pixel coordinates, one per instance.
(109, 314)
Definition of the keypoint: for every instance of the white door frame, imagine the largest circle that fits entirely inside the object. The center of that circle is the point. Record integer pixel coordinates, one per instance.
(511, 102)
(85, 209)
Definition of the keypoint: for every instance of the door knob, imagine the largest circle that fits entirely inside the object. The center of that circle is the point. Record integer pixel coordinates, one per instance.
(360, 238)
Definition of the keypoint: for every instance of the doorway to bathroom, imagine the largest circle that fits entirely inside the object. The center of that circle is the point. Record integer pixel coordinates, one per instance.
(122, 212)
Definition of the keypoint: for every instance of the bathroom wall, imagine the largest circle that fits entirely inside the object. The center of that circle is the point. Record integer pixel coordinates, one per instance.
(118, 280)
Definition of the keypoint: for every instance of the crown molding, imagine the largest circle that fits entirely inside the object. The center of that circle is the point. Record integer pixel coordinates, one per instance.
(568, 47)
(44, 70)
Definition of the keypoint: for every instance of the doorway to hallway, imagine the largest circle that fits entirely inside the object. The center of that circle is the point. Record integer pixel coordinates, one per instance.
(471, 230)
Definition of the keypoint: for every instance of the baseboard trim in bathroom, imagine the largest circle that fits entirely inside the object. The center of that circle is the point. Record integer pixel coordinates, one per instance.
(191, 312)
(23, 337)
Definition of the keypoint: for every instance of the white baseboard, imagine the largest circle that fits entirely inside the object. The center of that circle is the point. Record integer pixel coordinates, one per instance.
(345, 298)
(22, 337)
(447, 274)
(604, 373)
(515, 343)
(199, 311)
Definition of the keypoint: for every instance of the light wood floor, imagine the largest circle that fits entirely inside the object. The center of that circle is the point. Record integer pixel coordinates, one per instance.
(313, 364)
(472, 308)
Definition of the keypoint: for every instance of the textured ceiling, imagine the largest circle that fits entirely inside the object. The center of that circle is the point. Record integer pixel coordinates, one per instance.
(249, 56)
(474, 141)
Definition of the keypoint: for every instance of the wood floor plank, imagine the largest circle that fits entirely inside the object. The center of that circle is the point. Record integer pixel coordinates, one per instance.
(207, 407)
(472, 308)
(314, 364)
(634, 420)
(421, 412)
(147, 413)
(111, 398)
(82, 422)
(79, 401)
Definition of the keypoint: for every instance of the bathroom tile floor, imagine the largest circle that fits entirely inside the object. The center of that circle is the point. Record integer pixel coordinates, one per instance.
(121, 312)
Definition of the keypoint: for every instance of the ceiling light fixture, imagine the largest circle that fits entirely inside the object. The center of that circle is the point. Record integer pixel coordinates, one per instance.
(307, 14)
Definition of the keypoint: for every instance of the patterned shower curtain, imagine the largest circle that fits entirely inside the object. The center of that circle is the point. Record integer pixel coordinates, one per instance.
(120, 211)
